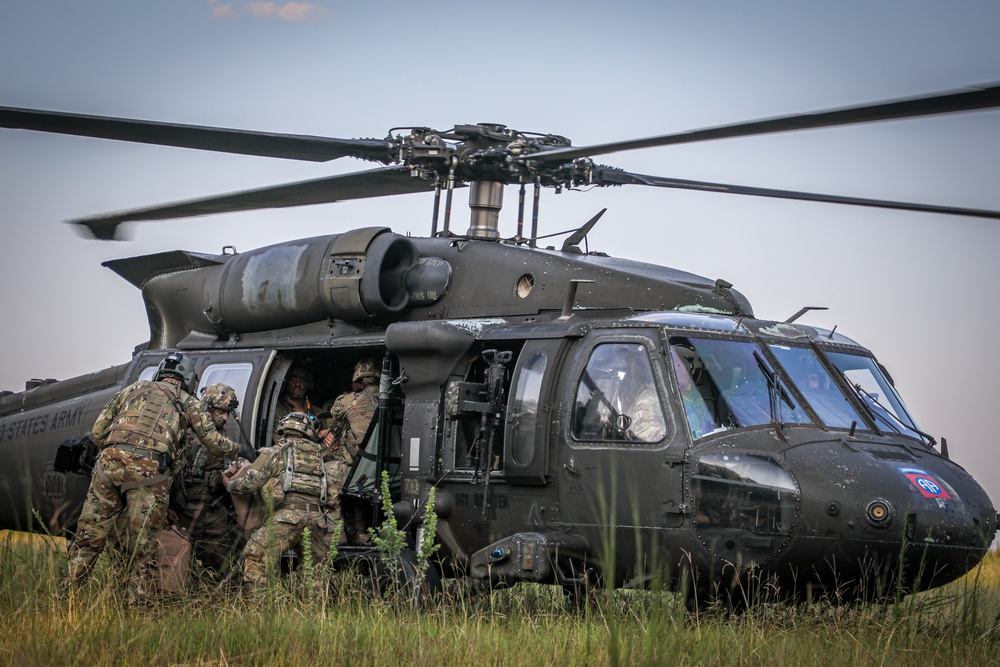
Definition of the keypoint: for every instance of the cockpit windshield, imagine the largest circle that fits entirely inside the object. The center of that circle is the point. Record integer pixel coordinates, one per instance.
(817, 385)
(877, 393)
(728, 384)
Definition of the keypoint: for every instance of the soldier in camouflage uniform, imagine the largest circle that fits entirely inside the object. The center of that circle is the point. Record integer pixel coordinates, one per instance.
(199, 501)
(353, 411)
(350, 416)
(291, 477)
(139, 433)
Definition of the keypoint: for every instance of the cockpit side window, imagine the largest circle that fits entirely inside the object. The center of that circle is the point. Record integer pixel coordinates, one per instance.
(617, 399)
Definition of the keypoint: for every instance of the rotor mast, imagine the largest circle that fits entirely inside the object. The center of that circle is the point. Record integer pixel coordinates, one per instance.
(485, 202)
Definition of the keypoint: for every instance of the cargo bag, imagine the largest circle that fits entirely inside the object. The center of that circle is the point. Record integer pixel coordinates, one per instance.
(175, 559)
(249, 511)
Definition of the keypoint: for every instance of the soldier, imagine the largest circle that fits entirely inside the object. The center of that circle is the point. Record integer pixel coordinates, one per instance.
(199, 502)
(290, 476)
(643, 407)
(699, 417)
(353, 411)
(294, 396)
(139, 433)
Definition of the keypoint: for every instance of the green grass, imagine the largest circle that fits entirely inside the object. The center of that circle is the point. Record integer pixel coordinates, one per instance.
(527, 625)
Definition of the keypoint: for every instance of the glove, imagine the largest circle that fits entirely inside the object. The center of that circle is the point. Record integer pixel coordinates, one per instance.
(248, 452)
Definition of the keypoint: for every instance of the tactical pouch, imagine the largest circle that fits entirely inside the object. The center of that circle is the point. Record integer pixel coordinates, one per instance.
(272, 492)
(335, 470)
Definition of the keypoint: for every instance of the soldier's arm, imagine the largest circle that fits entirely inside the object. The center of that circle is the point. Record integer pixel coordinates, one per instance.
(104, 420)
(262, 470)
(204, 429)
(338, 411)
(338, 415)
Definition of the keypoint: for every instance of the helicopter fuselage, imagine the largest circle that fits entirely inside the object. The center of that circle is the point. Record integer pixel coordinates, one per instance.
(581, 418)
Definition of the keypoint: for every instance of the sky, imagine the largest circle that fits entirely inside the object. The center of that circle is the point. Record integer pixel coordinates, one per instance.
(919, 290)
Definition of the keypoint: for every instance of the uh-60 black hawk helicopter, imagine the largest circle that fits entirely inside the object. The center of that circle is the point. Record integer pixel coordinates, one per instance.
(583, 418)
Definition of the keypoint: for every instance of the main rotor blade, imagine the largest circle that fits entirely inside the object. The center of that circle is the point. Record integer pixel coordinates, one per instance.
(611, 176)
(358, 185)
(218, 139)
(965, 100)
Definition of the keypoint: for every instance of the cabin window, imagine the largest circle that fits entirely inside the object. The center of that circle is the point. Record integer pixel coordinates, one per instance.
(523, 418)
(617, 398)
(147, 374)
(236, 376)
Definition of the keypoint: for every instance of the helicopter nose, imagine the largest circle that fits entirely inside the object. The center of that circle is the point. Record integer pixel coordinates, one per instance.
(915, 513)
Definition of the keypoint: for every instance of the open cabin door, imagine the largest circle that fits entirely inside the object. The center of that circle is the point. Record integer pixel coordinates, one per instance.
(271, 388)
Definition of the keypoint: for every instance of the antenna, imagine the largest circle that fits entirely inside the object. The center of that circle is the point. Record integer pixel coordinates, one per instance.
(572, 244)
(803, 311)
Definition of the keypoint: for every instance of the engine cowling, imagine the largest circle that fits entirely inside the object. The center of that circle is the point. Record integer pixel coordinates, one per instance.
(367, 274)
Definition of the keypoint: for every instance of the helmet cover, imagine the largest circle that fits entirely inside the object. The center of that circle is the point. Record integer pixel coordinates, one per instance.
(365, 369)
(298, 422)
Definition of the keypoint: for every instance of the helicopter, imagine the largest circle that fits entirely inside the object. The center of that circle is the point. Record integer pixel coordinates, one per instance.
(583, 419)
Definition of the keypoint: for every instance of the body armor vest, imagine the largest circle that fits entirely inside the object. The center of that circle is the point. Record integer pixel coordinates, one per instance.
(304, 472)
(149, 417)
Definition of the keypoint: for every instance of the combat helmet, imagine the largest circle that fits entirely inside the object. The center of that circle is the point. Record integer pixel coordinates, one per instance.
(300, 371)
(298, 422)
(220, 397)
(176, 365)
(365, 369)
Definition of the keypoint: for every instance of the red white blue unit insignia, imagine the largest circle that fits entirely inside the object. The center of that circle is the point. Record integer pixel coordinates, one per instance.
(928, 486)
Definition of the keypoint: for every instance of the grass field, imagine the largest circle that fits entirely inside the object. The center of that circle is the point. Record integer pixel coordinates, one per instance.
(953, 626)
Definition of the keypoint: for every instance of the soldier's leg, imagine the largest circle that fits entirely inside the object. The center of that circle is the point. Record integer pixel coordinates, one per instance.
(101, 509)
(324, 531)
(214, 539)
(146, 510)
(264, 549)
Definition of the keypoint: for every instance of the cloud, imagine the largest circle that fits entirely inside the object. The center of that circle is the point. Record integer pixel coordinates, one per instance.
(290, 11)
(224, 11)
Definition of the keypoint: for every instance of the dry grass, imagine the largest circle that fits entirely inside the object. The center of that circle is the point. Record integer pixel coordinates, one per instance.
(956, 625)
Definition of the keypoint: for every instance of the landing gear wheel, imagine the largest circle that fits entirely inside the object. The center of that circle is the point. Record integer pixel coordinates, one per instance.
(398, 578)
(583, 594)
